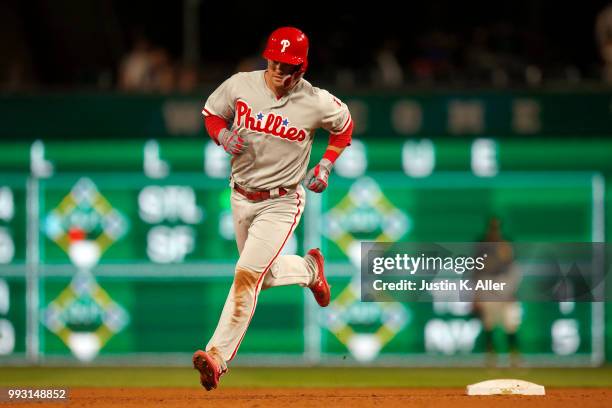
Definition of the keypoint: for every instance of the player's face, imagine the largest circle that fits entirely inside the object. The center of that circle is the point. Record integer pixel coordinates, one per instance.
(279, 70)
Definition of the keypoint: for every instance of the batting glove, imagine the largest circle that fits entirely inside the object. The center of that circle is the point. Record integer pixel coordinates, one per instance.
(232, 142)
(316, 178)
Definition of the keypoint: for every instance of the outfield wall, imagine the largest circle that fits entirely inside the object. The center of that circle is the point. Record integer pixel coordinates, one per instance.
(151, 285)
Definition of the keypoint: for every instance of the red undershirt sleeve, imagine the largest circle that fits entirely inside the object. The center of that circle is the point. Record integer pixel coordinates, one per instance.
(340, 140)
(214, 124)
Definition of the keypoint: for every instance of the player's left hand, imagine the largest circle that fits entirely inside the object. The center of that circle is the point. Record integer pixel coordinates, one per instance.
(316, 178)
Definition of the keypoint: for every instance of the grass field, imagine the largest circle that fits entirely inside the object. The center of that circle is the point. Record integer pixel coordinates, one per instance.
(299, 377)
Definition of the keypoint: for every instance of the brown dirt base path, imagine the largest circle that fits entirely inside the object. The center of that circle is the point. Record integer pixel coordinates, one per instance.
(320, 398)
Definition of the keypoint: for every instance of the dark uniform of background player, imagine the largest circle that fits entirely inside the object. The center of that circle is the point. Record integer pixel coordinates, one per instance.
(498, 308)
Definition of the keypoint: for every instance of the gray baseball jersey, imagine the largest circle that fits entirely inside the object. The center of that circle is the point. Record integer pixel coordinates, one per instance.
(279, 130)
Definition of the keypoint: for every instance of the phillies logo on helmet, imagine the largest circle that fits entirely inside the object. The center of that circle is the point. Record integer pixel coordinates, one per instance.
(271, 123)
(285, 44)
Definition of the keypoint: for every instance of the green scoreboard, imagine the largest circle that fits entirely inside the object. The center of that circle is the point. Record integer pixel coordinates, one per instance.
(123, 251)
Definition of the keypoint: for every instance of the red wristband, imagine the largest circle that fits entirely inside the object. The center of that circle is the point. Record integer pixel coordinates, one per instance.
(331, 155)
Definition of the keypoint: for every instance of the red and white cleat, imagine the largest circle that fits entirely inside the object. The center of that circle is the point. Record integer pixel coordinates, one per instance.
(210, 370)
(320, 287)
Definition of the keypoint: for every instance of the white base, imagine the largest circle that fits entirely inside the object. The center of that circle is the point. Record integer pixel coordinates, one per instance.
(505, 387)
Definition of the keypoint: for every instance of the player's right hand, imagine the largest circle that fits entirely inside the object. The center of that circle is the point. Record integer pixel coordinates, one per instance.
(232, 142)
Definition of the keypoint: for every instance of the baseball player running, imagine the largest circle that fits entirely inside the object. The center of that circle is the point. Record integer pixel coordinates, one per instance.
(273, 115)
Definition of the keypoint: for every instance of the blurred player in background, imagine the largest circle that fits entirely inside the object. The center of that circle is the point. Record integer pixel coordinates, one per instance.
(266, 120)
(498, 308)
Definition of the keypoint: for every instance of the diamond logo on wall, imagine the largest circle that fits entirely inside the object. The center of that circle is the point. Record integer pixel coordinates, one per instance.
(84, 315)
(85, 214)
(364, 214)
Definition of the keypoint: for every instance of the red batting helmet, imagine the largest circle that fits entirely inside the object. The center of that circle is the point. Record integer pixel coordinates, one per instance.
(288, 45)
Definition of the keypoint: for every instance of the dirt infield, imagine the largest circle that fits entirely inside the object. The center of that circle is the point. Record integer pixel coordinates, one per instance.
(322, 397)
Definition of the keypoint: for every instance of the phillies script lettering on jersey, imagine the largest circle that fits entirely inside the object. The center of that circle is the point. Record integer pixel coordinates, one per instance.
(274, 124)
